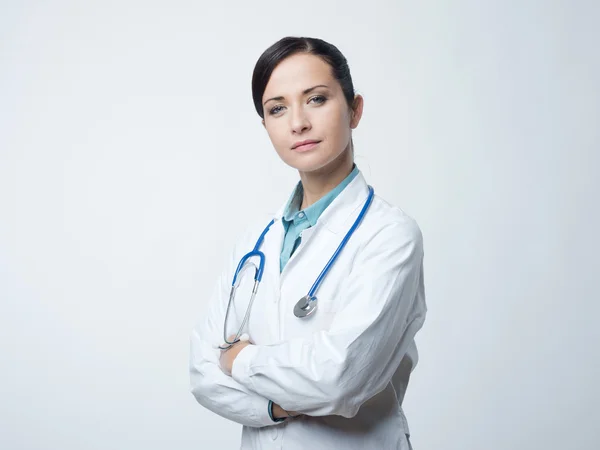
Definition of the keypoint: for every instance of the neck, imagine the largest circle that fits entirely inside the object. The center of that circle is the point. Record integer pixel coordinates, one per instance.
(318, 183)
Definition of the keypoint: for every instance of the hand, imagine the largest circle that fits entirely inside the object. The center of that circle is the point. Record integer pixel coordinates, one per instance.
(279, 412)
(228, 356)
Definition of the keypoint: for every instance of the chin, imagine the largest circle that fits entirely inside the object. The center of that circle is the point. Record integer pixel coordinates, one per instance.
(307, 163)
(317, 161)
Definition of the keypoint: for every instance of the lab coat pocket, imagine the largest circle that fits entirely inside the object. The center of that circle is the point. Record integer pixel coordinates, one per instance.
(322, 320)
(326, 319)
(326, 311)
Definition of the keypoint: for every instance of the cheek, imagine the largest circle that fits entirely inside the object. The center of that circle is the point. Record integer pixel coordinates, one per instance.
(275, 134)
(278, 138)
(336, 125)
(334, 117)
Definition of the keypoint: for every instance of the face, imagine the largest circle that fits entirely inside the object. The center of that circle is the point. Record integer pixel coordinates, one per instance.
(302, 101)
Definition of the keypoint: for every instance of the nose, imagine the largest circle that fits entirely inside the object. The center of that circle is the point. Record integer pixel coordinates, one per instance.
(299, 121)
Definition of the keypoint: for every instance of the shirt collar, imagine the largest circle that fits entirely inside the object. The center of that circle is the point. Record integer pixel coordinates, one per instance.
(341, 209)
(314, 211)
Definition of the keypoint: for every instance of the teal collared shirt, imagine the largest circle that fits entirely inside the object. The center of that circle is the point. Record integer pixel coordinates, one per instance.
(295, 221)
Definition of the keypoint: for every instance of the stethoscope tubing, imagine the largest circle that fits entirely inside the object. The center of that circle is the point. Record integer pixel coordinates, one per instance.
(308, 299)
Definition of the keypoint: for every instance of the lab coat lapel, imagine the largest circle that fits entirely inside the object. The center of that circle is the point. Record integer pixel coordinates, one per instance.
(346, 206)
(335, 219)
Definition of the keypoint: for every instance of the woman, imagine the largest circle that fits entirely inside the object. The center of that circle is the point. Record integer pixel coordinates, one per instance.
(336, 378)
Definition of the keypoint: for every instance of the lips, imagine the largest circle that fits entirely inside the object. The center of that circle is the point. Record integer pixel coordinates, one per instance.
(306, 147)
(306, 143)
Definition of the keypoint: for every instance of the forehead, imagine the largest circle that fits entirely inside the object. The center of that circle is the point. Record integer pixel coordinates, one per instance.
(296, 73)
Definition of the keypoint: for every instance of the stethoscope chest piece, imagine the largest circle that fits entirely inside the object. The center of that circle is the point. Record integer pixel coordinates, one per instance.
(305, 306)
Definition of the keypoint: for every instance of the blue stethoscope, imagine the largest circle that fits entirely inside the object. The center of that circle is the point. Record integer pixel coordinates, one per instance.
(307, 305)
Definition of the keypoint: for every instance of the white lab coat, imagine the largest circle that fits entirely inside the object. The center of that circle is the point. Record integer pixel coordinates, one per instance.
(346, 367)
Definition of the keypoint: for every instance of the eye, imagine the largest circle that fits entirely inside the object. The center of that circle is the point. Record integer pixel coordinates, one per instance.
(321, 99)
(274, 110)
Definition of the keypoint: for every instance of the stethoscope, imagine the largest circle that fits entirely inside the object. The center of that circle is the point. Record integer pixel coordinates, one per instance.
(307, 305)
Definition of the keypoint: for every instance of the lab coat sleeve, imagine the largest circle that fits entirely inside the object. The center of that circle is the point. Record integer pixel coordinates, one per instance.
(211, 387)
(337, 370)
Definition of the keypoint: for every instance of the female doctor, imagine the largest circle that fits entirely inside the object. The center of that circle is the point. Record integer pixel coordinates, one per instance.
(320, 356)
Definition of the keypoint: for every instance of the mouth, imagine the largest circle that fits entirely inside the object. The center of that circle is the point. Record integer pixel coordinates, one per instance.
(305, 146)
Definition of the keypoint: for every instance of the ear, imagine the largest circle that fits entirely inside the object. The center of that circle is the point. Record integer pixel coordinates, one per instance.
(356, 111)
(263, 122)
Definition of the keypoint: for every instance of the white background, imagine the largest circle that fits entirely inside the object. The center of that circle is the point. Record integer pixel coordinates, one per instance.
(131, 155)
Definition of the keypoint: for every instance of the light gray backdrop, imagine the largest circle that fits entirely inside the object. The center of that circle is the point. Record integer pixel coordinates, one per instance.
(131, 155)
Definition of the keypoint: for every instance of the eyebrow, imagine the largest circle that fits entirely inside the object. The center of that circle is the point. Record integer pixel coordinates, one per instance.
(304, 92)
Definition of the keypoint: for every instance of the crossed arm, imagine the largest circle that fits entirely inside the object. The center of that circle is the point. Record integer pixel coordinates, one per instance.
(329, 372)
(210, 385)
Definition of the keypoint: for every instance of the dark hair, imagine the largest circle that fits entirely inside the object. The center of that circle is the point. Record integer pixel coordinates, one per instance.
(289, 46)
